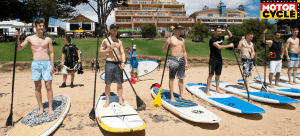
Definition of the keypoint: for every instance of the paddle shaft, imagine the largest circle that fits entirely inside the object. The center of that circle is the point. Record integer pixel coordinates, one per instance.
(263, 85)
(120, 65)
(265, 55)
(9, 121)
(162, 77)
(238, 65)
(96, 72)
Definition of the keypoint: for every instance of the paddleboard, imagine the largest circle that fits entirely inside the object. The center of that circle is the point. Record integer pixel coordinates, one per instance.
(280, 90)
(186, 109)
(116, 118)
(254, 94)
(297, 75)
(145, 67)
(282, 83)
(43, 125)
(285, 78)
(223, 101)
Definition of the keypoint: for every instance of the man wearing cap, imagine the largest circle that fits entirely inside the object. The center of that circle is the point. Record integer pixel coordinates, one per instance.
(215, 57)
(178, 61)
(113, 66)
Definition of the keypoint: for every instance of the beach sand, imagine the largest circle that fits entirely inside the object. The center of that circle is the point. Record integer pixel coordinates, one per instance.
(279, 119)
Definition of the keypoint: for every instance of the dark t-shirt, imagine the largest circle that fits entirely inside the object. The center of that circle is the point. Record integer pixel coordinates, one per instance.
(72, 50)
(275, 50)
(215, 53)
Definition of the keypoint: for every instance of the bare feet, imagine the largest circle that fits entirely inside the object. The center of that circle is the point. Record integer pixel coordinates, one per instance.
(183, 98)
(106, 104)
(291, 83)
(278, 85)
(208, 94)
(219, 91)
(40, 112)
(271, 86)
(296, 82)
(137, 79)
(173, 100)
(51, 112)
(122, 103)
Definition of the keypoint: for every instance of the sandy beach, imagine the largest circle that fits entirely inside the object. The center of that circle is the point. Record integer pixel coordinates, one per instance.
(279, 119)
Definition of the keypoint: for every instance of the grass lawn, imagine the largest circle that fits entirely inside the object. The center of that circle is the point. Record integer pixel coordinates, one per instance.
(88, 48)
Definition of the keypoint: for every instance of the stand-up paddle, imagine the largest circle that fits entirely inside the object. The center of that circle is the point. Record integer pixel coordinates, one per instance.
(239, 66)
(139, 102)
(92, 113)
(9, 121)
(157, 101)
(263, 86)
(132, 75)
(265, 55)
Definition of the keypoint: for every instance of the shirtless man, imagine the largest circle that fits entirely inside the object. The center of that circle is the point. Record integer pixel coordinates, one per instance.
(215, 59)
(41, 66)
(292, 56)
(276, 55)
(178, 61)
(248, 53)
(113, 67)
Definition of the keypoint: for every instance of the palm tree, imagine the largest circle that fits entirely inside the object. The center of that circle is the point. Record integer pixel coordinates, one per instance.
(220, 3)
(205, 8)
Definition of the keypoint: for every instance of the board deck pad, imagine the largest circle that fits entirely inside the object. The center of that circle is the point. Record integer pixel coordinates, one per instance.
(255, 94)
(45, 124)
(280, 90)
(223, 101)
(116, 118)
(186, 109)
(33, 119)
(145, 67)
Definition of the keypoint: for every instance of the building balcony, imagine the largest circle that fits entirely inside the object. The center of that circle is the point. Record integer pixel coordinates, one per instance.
(123, 14)
(128, 8)
(144, 20)
(123, 21)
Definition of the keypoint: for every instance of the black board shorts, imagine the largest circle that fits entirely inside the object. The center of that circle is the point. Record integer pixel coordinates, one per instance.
(113, 72)
(215, 66)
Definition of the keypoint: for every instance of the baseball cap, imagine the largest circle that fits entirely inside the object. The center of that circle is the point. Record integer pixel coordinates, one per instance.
(113, 26)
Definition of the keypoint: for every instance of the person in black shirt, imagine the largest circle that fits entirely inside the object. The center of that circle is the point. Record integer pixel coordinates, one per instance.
(67, 62)
(276, 55)
(215, 58)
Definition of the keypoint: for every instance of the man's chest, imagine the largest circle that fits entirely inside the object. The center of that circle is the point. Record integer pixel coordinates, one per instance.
(39, 43)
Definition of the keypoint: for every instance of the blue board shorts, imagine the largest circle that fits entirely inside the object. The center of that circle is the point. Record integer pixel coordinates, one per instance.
(41, 69)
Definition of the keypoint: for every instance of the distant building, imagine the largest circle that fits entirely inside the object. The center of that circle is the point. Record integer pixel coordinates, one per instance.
(220, 16)
(162, 13)
(81, 22)
(9, 27)
(284, 26)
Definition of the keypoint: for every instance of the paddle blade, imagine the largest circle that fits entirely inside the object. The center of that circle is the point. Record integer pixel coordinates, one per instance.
(157, 100)
(140, 104)
(92, 114)
(132, 80)
(9, 121)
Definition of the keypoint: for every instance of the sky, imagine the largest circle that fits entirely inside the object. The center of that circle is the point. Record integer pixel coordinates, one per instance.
(191, 6)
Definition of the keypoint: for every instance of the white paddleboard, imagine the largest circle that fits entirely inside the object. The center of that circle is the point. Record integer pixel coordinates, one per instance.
(145, 67)
(116, 118)
(254, 94)
(42, 128)
(280, 90)
(285, 78)
(282, 83)
(223, 101)
(297, 75)
(185, 109)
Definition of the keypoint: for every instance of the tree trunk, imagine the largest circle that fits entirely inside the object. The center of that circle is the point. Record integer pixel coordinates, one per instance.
(46, 23)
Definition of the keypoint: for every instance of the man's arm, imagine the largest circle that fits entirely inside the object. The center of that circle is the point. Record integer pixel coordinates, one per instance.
(167, 44)
(51, 54)
(104, 48)
(282, 51)
(241, 43)
(24, 44)
(252, 51)
(287, 45)
(184, 52)
(217, 45)
(122, 51)
(62, 59)
(226, 37)
(79, 57)
(269, 42)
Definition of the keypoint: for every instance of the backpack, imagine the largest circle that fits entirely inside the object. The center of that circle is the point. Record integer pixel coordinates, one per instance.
(71, 56)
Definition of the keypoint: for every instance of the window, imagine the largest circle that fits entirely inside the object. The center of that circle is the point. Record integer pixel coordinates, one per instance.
(74, 26)
(86, 26)
(50, 29)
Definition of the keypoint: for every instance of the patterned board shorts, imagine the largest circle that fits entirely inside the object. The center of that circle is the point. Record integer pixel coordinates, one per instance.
(247, 66)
